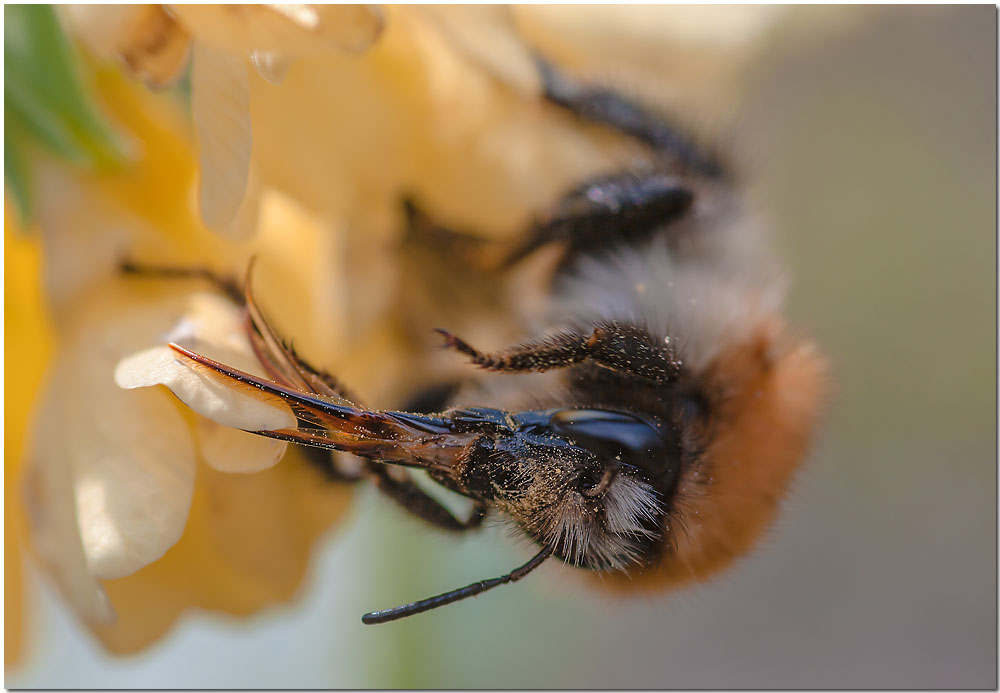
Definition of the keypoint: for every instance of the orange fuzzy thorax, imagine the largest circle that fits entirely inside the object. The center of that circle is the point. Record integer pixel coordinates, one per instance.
(769, 400)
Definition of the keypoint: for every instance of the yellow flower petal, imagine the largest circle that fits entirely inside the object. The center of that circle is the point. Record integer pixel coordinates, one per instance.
(415, 116)
(247, 545)
(89, 223)
(27, 347)
(147, 212)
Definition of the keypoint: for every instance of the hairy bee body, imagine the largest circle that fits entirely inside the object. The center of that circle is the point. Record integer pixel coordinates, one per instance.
(739, 420)
(651, 422)
(749, 401)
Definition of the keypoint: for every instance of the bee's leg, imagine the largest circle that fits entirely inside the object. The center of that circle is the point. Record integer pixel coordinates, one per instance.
(625, 207)
(397, 483)
(416, 501)
(618, 347)
(227, 285)
(607, 107)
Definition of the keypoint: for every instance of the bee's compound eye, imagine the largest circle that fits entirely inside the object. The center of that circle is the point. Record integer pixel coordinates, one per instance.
(611, 435)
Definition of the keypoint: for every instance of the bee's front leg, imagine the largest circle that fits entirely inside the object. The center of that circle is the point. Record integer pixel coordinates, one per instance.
(618, 347)
(402, 489)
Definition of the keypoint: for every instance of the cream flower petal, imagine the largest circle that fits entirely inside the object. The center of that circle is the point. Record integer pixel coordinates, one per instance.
(128, 460)
(160, 366)
(487, 34)
(100, 234)
(271, 65)
(237, 452)
(99, 27)
(220, 104)
(212, 326)
(246, 222)
(293, 29)
(133, 499)
(51, 504)
(151, 43)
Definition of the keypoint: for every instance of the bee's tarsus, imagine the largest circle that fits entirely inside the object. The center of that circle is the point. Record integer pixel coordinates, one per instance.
(453, 342)
(472, 590)
(619, 347)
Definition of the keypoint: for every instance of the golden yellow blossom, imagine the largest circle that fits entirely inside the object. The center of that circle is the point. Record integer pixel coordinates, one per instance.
(27, 346)
(114, 474)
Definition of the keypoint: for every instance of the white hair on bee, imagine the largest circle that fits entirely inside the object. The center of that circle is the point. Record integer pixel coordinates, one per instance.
(703, 305)
(630, 505)
(608, 537)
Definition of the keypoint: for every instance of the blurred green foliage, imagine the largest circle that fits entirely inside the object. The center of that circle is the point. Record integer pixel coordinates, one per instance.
(46, 101)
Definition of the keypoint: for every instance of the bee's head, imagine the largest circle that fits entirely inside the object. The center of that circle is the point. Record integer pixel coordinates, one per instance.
(594, 484)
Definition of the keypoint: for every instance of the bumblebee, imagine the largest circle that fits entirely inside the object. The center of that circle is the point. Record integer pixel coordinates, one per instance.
(668, 405)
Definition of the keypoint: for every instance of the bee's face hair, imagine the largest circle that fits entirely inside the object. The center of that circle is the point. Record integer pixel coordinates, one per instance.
(595, 484)
(613, 532)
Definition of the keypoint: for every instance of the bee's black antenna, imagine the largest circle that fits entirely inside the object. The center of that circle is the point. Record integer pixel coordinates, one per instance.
(455, 595)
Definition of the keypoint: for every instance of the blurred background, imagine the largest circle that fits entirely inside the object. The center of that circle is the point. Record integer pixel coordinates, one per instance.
(869, 137)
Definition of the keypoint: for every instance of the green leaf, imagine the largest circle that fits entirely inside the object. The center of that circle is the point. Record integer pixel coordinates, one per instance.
(46, 100)
(15, 170)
